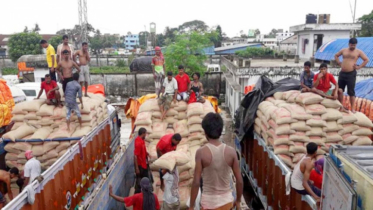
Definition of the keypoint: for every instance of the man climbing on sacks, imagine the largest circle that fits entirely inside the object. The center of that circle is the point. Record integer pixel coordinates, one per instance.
(140, 158)
(169, 94)
(72, 89)
(214, 163)
(32, 168)
(6, 178)
(51, 91)
(67, 69)
(347, 75)
(84, 60)
(183, 82)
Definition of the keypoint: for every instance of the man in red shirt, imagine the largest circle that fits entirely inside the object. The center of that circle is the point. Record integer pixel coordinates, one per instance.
(140, 159)
(321, 84)
(51, 91)
(146, 200)
(183, 82)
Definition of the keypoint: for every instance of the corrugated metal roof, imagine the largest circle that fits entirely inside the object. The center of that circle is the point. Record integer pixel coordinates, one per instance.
(236, 46)
(328, 50)
(207, 51)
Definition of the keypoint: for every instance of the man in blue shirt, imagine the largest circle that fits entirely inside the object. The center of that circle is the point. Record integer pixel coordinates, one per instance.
(306, 78)
(73, 88)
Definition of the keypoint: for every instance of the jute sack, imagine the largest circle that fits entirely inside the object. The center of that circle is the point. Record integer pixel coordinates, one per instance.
(195, 136)
(348, 138)
(32, 116)
(37, 150)
(64, 145)
(165, 163)
(169, 131)
(144, 118)
(299, 137)
(315, 109)
(18, 118)
(284, 130)
(308, 98)
(297, 157)
(264, 105)
(272, 124)
(287, 160)
(332, 126)
(278, 102)
(298, 147)
(331, 115)
(33, 106)
(42, 133)
(22, 146)
(196, 128)
(9, 147)
(333, 137)
(281, 149)
(270, 99)
(362, 141)
(19, 133)
(282, 116)
(289, 93)
(12, 156)
(362, 132)
(181, 115)
(363, 120)
(60, 112)
(181, 128)
(16, 125)
(347, 118)
(171, 120)
(181, 106)
(48, 146)
(81, 131)
(316, 131)
(157, 115)
(18, 108)
(194, 109)
(185, 175)
(278, 95)
(329, 103)
(45, 110)
(194, 120)
(348, 128)
(300, 126)
(267, 114)
(292, 97)
(149, 105)
(316, 121)
(185, 167)
(171, 113)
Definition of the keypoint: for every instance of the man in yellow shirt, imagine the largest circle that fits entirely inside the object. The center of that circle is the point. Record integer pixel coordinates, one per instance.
(51, 58)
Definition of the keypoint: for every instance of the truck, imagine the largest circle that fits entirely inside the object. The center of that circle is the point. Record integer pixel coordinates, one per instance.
(77, 175)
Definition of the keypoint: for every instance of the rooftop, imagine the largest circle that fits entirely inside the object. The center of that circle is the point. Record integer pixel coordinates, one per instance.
(235, 46)
(326, 27)
(290, 40)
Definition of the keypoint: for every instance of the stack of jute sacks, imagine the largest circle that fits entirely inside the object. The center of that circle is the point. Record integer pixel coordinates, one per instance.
(35, 120)
(184, 119)
(288, 121)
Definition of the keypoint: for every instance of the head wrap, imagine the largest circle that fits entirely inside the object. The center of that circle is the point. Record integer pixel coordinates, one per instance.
(159, 49)
(319, 166)
(148, 197)
(29, 154)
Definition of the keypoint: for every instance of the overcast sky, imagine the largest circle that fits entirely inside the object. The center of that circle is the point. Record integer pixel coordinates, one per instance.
(120, 16)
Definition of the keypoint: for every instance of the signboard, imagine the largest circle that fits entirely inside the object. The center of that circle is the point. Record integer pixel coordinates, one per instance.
(251, 32)
(336, 191)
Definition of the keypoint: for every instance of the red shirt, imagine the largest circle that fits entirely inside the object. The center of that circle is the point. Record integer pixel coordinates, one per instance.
(165, 144)
(182, 82)
(324, 84)
(136, 201)
(140, 152)
(316, 178)
(47, 87)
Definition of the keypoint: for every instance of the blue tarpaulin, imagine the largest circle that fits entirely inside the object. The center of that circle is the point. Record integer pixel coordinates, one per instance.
(364, 89)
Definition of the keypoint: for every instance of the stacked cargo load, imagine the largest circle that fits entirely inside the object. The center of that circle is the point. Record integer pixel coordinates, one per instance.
(43, 129)
(289, 120)
(181, 118)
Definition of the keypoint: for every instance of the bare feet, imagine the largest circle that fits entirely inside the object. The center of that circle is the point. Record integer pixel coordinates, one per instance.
(86, 95)
(342, 109)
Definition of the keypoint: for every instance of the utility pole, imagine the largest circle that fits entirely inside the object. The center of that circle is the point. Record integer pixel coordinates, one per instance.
(83, 20)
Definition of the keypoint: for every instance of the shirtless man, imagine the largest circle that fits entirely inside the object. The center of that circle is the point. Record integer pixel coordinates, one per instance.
(6, 177)
(347, 75)
(84, 60)
(301, 174)
(214, 163)
(64, 46)
(67, 69)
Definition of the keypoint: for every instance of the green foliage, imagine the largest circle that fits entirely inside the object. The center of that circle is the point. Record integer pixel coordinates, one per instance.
(55, 41)
(10, 71)
(218, 37)
(255, 52)
(98, 42)
(195, 25)
(131, 58)
(120, 63)
(109, 69)
(367, 25)
(24, 44)
(187, 50)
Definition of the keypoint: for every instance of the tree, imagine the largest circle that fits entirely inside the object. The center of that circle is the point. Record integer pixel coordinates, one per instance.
(257, 32)
(99, 42)
(160, 40)
(367, 25)
(36, 29)
(55, 41)
(272, 34)
(187, 50)
(74, 34)
(219, 36)
(195, 25)
(24, 44)
(25, 30)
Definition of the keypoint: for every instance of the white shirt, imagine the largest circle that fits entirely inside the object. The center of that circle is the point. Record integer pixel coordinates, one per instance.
(32, 169)
(170, 86)
(167, 195)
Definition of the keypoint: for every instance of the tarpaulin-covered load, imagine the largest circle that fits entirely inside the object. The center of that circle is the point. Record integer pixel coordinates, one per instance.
(38, 126)
(290, 120)
(6, 104)
(184, 119)
(264, 88)
(141, 64)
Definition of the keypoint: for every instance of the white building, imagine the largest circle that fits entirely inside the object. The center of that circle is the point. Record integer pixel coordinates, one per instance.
(283, 35)
(312, 36)
(289, 45)
(268, 42)
(233, 41)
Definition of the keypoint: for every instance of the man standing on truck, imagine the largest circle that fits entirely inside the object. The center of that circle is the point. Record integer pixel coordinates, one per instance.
(67, 69)
(167, 144)
(214, 163)
(51, 91)
(84, 60)
(32, 168)
(65, 46)
(73, 88)
(146, 200)
(301, 174)
(6, 177)
(321, 85)
(141, 167)
(51, 58)
(159, 68)
(183, 82)
(169, 94)
(347, 75)
(306, 78)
